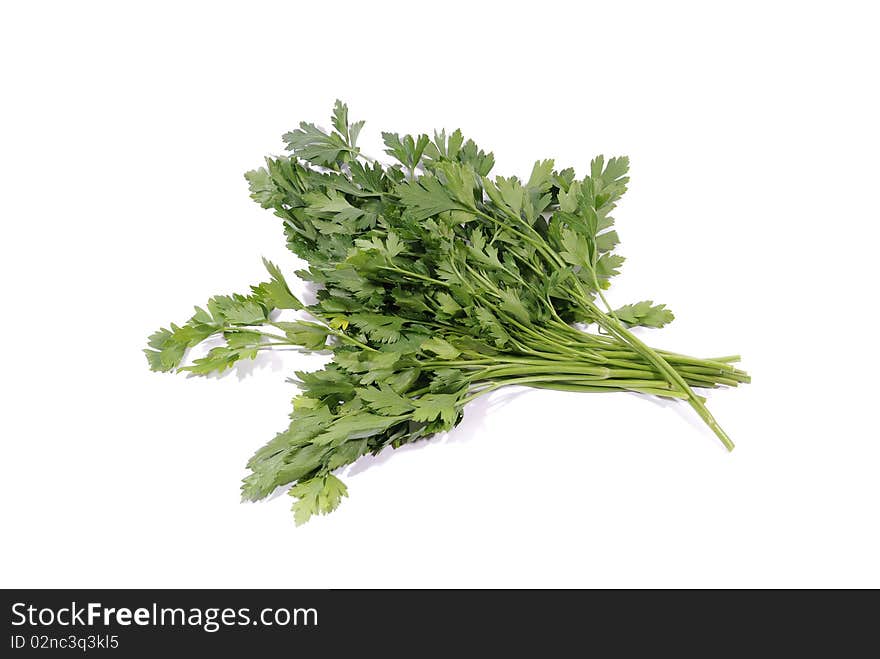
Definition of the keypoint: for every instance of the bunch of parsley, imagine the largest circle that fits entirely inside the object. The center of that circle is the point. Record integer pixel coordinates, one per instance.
(436, 284)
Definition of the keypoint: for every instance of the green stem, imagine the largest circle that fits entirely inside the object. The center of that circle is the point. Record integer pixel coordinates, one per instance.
(566, 386)
(617, 329)
(659, 388)
(414, 275)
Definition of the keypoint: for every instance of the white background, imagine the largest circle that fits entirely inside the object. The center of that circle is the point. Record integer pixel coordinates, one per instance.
(753, 213)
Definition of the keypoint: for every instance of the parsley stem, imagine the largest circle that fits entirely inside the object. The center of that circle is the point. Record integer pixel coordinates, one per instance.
(540, 246)
(415, 275)
(617, 329)
(573, 386)
(350, 339)
(655, 387)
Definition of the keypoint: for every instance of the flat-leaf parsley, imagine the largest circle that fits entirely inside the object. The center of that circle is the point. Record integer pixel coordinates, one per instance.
(437, 283)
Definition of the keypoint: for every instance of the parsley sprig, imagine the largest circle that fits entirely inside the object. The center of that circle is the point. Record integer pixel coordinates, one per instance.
(437, 283)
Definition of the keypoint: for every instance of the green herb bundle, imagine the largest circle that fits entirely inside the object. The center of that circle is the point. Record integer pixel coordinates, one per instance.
(436, 283)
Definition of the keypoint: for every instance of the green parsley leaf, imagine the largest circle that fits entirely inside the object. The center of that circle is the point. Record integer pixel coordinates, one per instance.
(317, 496)
(645, 314)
